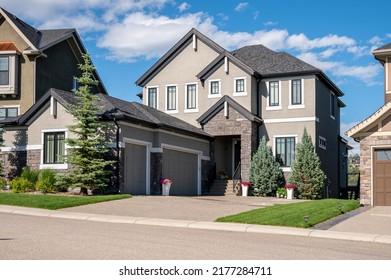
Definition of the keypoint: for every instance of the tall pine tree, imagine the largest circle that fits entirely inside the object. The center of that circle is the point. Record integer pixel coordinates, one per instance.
(87, 145)
(265, 173)
(306, 172)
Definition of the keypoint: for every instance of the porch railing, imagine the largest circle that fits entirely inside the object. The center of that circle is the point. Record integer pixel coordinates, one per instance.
(236, 177)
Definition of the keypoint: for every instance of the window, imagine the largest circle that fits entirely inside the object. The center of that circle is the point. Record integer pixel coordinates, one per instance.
(152, 97)
(274, 93)
(285, 150)
(191, 96)
(239, 85)
(332, 105)
(322, 142)
(4, 71)
(296, 94)
(8, 112)
(54, 147)
(171, 98)
(215, 87)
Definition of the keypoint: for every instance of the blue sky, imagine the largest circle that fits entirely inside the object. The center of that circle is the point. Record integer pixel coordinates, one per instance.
(125, 37)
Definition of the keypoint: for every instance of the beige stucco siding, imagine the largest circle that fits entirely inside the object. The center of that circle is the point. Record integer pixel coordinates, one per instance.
(46, 122)
(26, 69)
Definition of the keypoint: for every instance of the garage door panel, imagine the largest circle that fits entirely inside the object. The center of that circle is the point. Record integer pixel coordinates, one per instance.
(182, 169)
(135, 169)
(382, 178)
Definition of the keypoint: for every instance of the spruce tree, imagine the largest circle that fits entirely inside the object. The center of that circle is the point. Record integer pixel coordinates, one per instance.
(306, 172)
(265, 173)
(87, 145)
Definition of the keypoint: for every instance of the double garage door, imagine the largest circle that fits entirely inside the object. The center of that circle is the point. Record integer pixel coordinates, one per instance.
(382, 178)
(181, 167)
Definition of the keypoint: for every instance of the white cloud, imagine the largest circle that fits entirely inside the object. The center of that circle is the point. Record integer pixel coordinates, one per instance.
(184, 6)
(255, 15)
(241, 6)
(270, 23)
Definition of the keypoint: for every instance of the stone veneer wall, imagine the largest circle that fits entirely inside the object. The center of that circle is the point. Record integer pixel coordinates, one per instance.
(34, 158)
(366, 145)
(236, 124)
(13, 163)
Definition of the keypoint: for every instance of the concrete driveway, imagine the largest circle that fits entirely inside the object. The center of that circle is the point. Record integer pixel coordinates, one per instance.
(196, 208)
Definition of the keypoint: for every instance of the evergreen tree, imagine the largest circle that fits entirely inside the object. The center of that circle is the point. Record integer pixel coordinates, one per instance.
(306, 172)
(88, 149)
(265, 173)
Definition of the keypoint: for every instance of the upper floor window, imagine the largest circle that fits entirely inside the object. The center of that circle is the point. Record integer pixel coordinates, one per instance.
(191, 96)
(214, 88)
(274, 93)
(332, 105)
(4, 71)
(171, 98)
(285, 150)
(53, 147)
(322, 142)
(296, 92)
(239, 86)
(8, 112)
(152, 97)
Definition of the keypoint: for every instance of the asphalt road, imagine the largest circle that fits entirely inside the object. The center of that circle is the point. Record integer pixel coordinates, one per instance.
(29, 237)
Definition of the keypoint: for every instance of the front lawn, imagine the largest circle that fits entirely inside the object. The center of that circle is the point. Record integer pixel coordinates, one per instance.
(54, 202)
(292, 215)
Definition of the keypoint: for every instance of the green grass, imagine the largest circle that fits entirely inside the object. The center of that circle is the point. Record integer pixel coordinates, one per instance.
(54, 202)
(292, 215)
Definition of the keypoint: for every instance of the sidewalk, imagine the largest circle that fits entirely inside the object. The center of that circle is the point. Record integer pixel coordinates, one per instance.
(340, 231)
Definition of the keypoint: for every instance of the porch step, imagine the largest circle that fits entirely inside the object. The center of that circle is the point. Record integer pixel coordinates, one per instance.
(221, 187)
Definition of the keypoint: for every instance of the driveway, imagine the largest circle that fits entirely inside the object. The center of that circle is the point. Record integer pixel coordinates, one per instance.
(196, 208)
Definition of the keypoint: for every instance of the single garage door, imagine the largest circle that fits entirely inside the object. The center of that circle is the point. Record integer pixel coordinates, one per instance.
(382, 178)
(182, 169)
(135, 169)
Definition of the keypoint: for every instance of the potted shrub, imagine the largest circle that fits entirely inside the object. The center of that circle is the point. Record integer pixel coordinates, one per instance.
(290, 188)
(281, 192)
(222, 175)
(166, 184)
(245, 187)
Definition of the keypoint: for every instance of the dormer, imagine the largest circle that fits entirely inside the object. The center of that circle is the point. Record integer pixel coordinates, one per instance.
(9, 67)
(383, 55)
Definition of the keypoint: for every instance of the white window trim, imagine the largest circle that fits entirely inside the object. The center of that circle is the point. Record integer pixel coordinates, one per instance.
(333, 99)
(176, 99)
(273, 108)
(59, 166)
(11, 88)
(285, 169)
(196, 109)
(210, 95)
(12, 106)
(324, 147)
(147, 96)
(244, 93)
(298, 106)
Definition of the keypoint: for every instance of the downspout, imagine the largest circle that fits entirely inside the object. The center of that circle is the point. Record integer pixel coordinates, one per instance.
(259, 110)
(118, 156)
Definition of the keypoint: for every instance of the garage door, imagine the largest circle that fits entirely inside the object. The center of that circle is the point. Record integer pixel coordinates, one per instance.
(382, 178)
(182, 169)
(135, 169)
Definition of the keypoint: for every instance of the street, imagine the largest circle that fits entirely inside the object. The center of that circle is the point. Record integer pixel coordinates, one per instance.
(32, 238)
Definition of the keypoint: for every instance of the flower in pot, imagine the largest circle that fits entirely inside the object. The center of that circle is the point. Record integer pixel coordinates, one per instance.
(290, 188)
(245, 186)
(222, 175)
(281, 192)
(166, 184)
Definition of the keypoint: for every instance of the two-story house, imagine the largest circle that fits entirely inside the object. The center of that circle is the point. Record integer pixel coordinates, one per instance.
(242, 95)
(33, 61)
(374, 135)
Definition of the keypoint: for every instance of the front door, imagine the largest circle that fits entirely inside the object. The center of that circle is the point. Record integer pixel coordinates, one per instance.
(382, 178)
(236, 157)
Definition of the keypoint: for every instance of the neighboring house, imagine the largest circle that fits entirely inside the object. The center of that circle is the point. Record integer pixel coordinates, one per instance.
(147, 144)
(32, 61)
(240, 96)
(374, 135)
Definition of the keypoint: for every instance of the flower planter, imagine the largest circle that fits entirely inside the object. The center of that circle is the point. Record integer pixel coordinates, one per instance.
(244, 190)
(289, 193)
(166, 189)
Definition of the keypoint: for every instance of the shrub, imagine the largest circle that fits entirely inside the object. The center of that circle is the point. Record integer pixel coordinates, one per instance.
(47, 181)
(21, 185)
(30, 174)
(265, 173)
(3, 183)
(281, 192)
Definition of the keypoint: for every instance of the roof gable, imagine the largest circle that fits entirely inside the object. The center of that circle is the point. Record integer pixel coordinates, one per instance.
(219, 105)
(174, 51)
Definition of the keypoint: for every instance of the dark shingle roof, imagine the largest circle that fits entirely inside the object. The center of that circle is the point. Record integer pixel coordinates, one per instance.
(385, 47)
(268, 62)
(114, 108)
(52, 36)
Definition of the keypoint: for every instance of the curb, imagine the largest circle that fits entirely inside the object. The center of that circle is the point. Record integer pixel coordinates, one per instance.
(317, 233)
